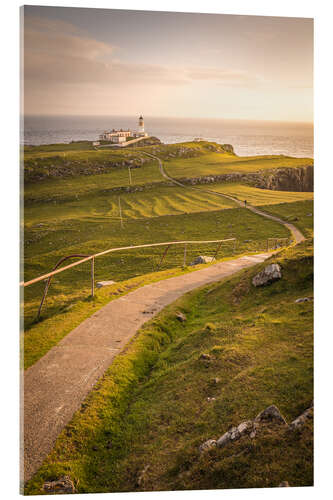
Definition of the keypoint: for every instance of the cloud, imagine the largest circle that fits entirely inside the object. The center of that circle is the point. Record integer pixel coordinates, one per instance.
(58, 53)
(224, 77)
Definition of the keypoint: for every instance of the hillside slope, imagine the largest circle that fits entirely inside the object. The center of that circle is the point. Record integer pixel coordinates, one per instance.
(239, 350)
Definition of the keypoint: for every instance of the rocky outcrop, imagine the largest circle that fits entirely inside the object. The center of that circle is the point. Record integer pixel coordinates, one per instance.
(302, 419)
(279, 179)
(270, 416)
(268, 275)
(63, 485)
(287, 179)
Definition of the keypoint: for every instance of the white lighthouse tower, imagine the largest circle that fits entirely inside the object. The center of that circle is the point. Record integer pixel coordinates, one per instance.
(141, 129)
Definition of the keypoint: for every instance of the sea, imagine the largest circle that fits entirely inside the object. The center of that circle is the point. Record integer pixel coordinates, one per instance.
(247, 137)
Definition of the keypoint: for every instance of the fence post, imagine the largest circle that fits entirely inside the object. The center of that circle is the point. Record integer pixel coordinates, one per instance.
(164, 254)
(185, 247)
(217, 250)
(93, 276)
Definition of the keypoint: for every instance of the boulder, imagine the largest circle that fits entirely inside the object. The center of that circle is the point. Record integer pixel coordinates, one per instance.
(100, 284)
(271, 273)
(223, 440)
(207, 445)
(202, 259)
(271, 414)
(301, 420)
(303, 299)
(62, 485)
(181, 317)
(235, 433)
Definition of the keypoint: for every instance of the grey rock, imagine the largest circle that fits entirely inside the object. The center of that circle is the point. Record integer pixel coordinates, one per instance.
(303, 299)
(202, 259)
(181, 317)
(301, 420)
(223, 440)
(271, 414)
(245, 427)
(62, 485)
(101, 284)
(271, 273)
(207, 445)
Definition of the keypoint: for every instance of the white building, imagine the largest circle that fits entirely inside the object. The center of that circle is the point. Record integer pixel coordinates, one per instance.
(120, 136)
(115, 135)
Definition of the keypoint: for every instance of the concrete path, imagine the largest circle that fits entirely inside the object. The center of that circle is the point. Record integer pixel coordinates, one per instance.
(56, 385)
(296, 233)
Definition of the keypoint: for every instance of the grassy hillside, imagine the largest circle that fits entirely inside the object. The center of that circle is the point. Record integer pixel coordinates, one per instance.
(151, 407)
(256, 196)
(218, 164)
(86, 234)
(79, 213)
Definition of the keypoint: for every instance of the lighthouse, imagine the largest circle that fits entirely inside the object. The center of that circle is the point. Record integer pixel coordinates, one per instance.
(141, 129)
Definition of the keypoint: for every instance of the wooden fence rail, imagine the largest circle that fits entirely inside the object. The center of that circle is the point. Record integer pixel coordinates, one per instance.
(77, 263)
(48, 277)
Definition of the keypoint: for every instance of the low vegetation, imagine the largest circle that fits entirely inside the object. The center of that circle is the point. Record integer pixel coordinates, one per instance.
(255, 196)
(151, 409)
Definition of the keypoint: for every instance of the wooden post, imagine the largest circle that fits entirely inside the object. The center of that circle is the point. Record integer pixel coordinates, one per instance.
(217, 250)
(164, 254)
(235, 245)
(185, 247)
(267, 244)
(120, 215)
(93, 276)
(130, 175)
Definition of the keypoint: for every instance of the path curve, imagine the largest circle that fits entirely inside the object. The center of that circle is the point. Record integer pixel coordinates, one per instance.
(296, 233)
(56, 385)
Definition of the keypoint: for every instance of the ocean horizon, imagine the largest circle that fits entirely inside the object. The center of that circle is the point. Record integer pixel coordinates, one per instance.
(248, 137)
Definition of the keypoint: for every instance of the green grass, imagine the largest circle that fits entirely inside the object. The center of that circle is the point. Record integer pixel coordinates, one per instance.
(72, 188)
(155, 202)
(256, 196)
(45, 245)
(151, 406)
(299, 213)
(218, 164)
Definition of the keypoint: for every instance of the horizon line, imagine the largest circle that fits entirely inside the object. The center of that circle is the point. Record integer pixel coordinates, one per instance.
(26, 115)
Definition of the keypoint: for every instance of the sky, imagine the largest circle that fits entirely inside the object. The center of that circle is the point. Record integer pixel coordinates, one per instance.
(117, 62)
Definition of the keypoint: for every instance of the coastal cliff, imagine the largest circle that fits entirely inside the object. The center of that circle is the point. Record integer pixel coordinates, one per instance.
(280, 179)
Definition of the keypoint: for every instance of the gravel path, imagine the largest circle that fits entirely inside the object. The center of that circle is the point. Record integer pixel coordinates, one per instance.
(55, 386)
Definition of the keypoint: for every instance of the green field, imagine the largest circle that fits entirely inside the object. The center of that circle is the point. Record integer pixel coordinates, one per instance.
(80, 214)
(255, 196)
(218, 164)
(151, 407)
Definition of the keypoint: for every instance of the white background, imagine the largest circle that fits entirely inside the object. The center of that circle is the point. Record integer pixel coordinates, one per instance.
(9, 276)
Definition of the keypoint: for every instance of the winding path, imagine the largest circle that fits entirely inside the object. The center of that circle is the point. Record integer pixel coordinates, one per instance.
(296, 233)
(55, 386)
